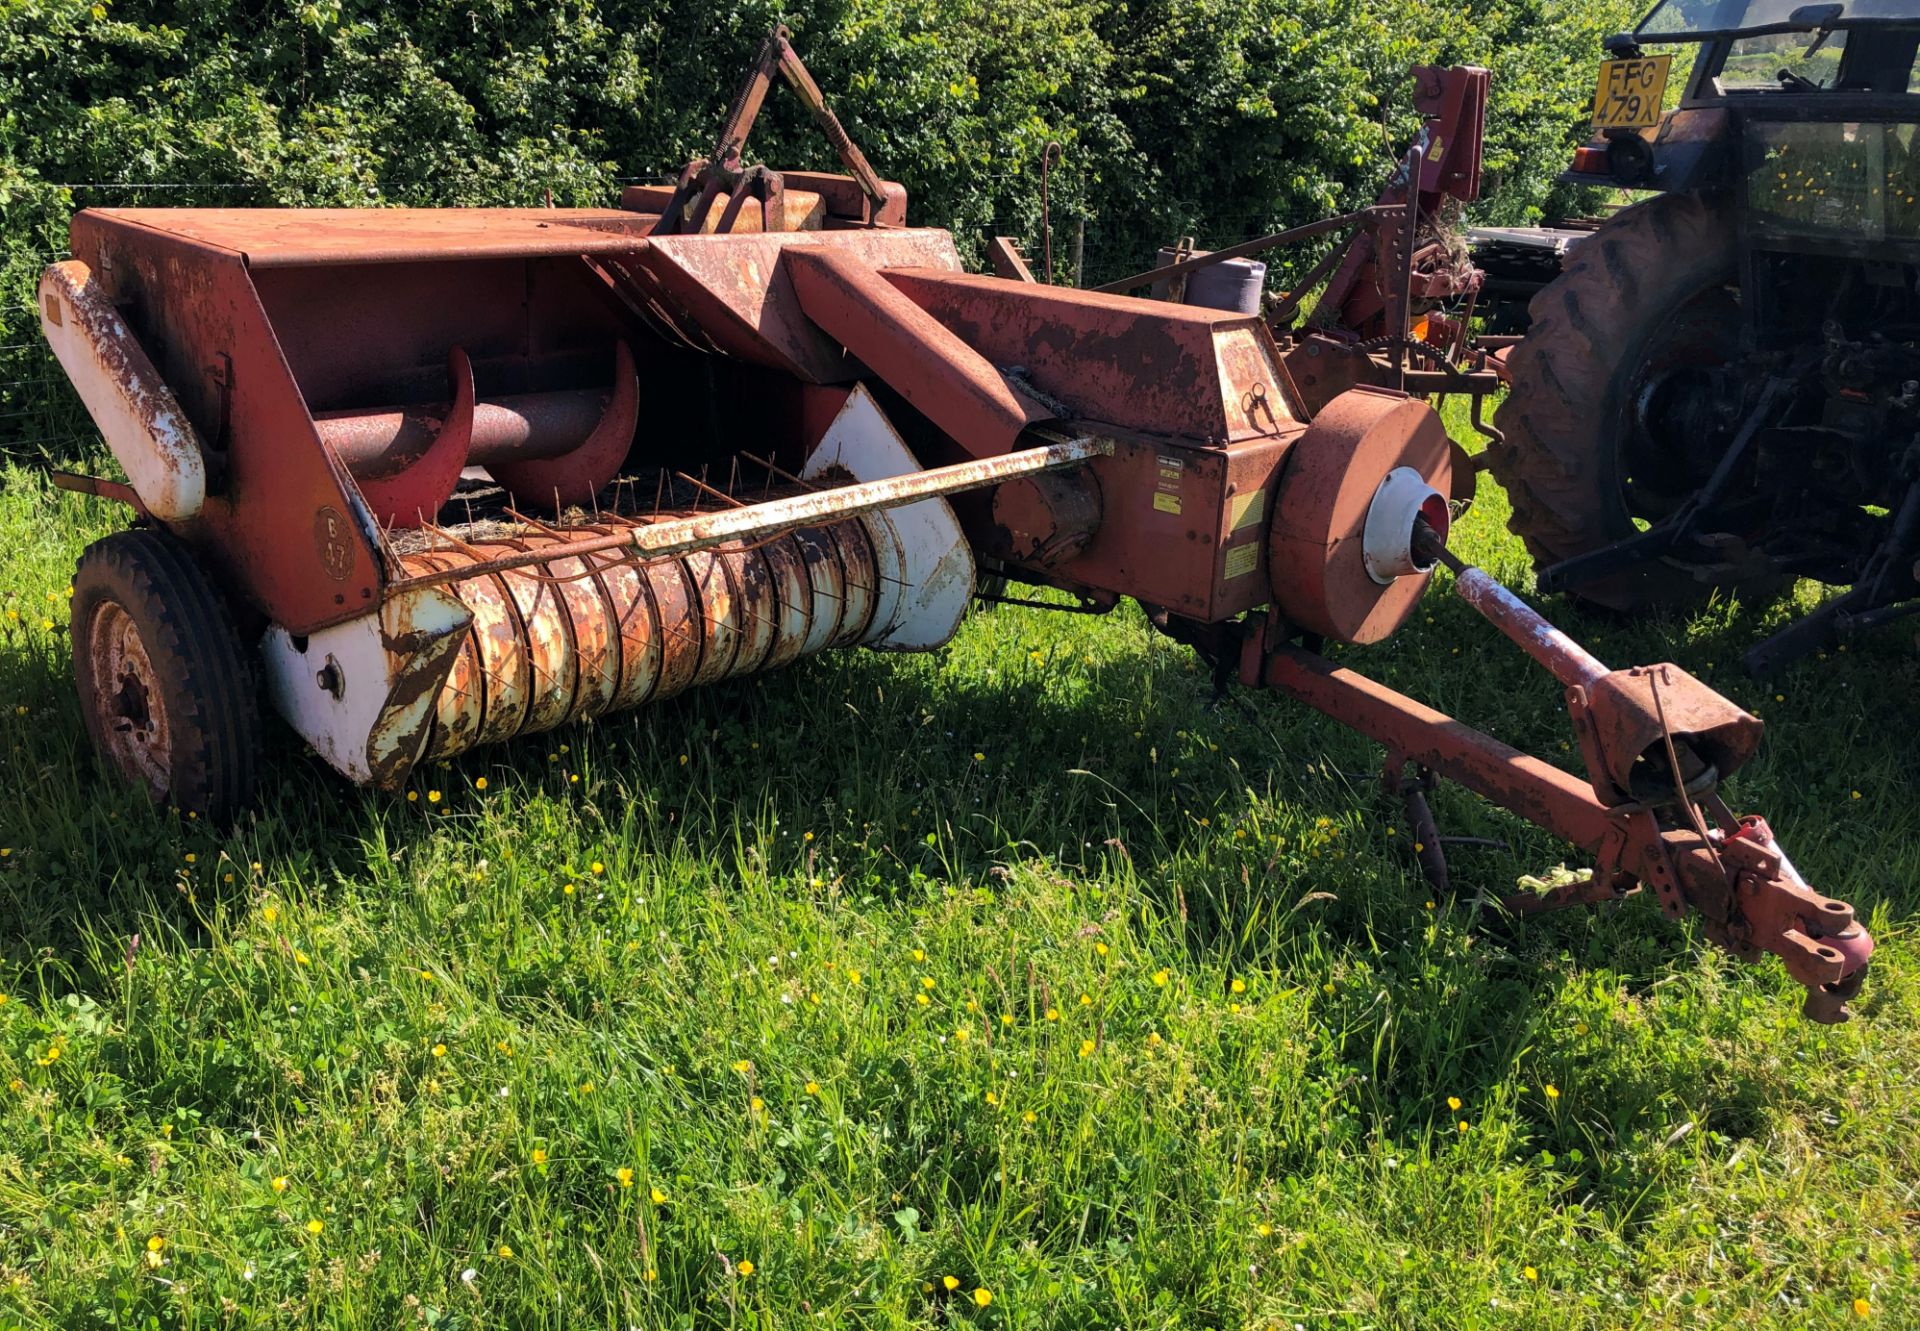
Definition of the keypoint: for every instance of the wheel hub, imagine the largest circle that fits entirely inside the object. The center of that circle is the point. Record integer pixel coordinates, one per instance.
(129, 702)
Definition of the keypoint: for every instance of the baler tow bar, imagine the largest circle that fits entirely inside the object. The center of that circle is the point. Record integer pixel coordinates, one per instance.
(1656, 740)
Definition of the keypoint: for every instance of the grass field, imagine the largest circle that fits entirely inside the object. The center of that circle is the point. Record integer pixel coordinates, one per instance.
(1014, 986)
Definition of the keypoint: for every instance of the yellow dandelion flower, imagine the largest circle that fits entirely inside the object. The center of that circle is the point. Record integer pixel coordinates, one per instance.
(1086, 1048)
(539, 1155)
(657, 1197)
(1029, 1117)
(1463, 1125)
(745, 1268)
(1238, 987)
(426, 975)
(756, 1104)
(979, 757)
(806, 836)
(1100, 949)
(505, 1250)
(922, 999)
(586, 1088)
(190, 857)
(853, 976)
(1453, 1103)
(1233, 1008)
(1553, 1092)
(413, 797)
(1053, 1014)
(269, 913)
(281, 1183)
(650, 1275)
(1861, 1308)
(1529, 1273)
(439, 1051)
(597, 867)
(744, 1066)
(992, 1099)
(314, 1226)
(480, 783)
(503, 1046)
(1161, 978)
(1086, 1000)
(812, 1088)
(625, 1175)
(301, 959)
(962, 1034)
(433, 797)
(926, 982)
(569, 889)
(982, 1296)
(1265, 1230)
(1006, 1019)
(156, 1243)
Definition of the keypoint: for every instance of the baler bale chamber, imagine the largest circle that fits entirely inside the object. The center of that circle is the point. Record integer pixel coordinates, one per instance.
(428, 479)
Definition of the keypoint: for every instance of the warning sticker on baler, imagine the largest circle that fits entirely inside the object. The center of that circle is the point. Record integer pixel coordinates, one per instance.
(1166, 484)
(1241, 560)
(1244, 510)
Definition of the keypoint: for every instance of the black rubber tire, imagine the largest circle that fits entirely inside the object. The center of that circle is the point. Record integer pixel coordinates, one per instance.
(1591, 328)
(201, 679)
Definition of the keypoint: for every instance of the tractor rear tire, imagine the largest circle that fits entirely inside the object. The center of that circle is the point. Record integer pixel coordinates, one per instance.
(166, 688)
(1623, 301)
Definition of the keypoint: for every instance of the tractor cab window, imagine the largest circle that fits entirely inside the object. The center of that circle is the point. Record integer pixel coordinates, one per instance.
(1782, 60)
(1684, 20)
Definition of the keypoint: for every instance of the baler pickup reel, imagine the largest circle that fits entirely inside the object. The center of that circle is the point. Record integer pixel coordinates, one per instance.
(448, 477)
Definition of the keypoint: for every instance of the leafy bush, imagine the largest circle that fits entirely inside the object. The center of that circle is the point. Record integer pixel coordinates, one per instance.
(1215, 118)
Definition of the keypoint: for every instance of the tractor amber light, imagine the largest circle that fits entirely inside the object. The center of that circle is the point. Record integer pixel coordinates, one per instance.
(1591, 161)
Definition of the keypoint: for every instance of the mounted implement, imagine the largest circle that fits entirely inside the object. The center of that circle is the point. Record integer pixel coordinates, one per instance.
(449, 477)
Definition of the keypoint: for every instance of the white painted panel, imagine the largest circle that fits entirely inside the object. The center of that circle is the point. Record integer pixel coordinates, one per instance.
(928, 565)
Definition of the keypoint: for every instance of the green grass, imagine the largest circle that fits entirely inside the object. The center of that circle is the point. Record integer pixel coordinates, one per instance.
(1023, 963)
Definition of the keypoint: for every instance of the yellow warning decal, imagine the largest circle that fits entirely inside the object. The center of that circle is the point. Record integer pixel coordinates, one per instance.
(1245, 510)
(1241, 560)
(1166, 482)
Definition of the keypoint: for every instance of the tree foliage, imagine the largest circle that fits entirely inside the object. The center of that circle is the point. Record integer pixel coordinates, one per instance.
(1215, 118)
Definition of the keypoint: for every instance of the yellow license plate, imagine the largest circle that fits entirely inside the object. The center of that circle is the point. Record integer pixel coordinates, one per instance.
(1630, 92)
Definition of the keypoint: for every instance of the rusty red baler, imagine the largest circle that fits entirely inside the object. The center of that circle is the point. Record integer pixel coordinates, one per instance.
(443, 477)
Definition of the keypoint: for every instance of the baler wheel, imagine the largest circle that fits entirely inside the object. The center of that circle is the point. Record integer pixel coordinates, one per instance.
(165, 684)
(1647, 298)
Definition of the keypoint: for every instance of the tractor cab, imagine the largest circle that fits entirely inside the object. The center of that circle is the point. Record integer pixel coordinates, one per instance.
(1845, 65)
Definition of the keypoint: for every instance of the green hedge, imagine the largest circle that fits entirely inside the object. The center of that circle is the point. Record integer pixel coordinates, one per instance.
(1215, 118)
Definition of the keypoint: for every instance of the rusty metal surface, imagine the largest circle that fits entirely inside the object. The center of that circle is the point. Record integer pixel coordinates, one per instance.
(693, 532)
(387, 440)
(1144, 365)
(1629, 714)
(1315, 555)
(911, 352)
(136, 412)
(288, 532)
(1045, 520)
(577, 475)
(733, 292)
(1008, 263)
(413, 495)
(573, 637)
(303, 237)
(1565, 659)
(422, 635)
